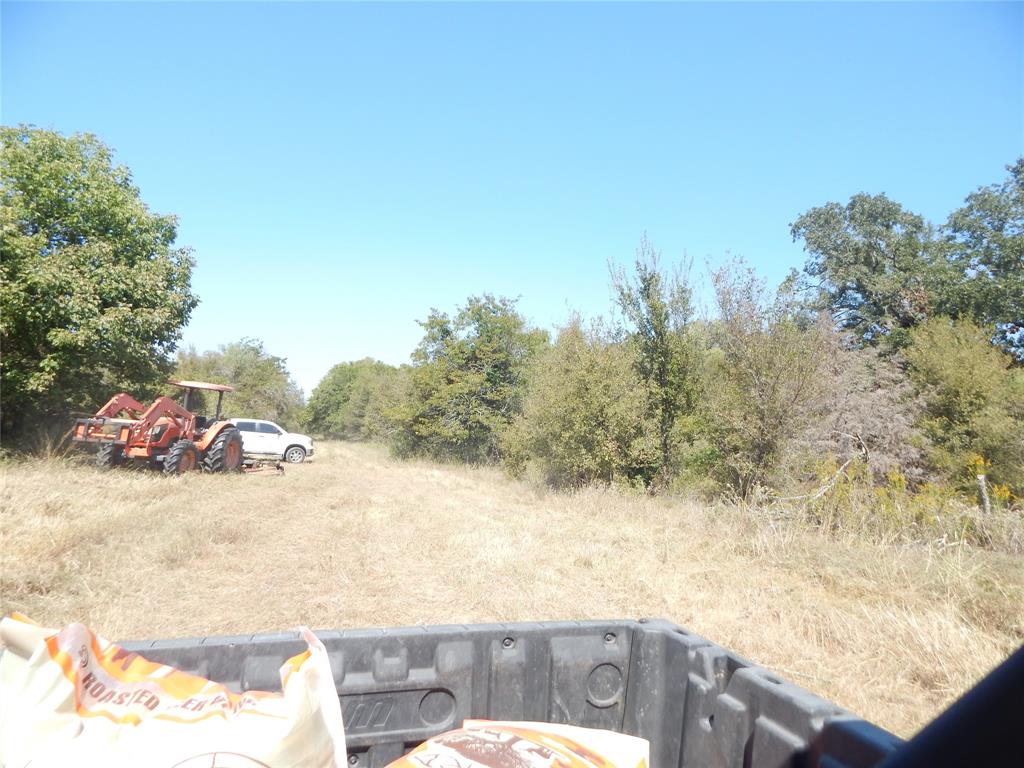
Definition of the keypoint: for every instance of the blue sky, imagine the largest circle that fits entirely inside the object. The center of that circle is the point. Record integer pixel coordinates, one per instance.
(339, 168)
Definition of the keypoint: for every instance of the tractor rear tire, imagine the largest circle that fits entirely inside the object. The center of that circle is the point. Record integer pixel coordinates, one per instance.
(109, 456)
(181, 458)
(225, 455)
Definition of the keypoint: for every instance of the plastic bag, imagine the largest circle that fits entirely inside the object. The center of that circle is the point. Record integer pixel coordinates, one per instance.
(70, 698)
(492, 744)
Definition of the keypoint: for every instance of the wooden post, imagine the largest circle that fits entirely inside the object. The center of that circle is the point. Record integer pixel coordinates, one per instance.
(983, 487)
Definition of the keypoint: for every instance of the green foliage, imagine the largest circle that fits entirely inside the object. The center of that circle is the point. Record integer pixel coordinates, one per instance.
(974, 402)
(881, 270)
(986, 245)
(585, 416)
(851, 501)
(351, 400)
(263, 387)
(943, 298)
(657, 305)
(467, 383)
(872, 265)
(93, 294)
(888, 505)
(765, 378)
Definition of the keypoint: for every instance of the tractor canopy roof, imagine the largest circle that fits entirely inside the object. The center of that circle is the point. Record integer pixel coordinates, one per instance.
(203, 385)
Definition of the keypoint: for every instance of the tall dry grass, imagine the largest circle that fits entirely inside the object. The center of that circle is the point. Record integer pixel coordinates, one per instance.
(893, 631)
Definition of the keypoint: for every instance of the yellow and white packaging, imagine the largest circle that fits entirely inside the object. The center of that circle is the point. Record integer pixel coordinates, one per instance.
(71, 698)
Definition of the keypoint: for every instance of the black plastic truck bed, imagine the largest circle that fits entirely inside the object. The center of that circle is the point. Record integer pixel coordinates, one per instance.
(697, 703)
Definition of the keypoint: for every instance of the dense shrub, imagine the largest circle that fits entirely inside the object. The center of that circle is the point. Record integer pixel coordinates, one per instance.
(765, 378)
(351, 401)
(585, 418)
(853, 502)
(973, 397)
(657, 306)
(467, 383)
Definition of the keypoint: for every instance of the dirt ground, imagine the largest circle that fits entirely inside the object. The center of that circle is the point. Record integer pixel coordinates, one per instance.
(355, 539)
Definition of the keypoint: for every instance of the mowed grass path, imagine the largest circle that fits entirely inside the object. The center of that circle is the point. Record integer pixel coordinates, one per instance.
(356, 539)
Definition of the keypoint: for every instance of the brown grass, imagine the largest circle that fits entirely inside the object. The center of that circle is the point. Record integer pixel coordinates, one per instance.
(354, 539)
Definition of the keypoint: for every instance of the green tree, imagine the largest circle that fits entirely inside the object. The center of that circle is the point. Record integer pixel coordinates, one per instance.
(93, 293)
(350, 401)
(384, 392)
(766, 378)
(263, 387)
(973, 401)
(467, 382)
(872, 264)
(882, 270)
(584, 419)
(657, 305)
(986, 246)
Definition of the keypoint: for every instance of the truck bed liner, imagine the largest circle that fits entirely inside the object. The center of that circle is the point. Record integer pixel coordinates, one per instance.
(698, 704)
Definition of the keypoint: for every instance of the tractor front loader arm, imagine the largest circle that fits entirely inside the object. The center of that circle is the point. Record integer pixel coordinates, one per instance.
(122, 401)
(106, 426)
(177, 422)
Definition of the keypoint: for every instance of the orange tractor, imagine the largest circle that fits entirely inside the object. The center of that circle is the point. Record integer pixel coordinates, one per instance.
(164, 434)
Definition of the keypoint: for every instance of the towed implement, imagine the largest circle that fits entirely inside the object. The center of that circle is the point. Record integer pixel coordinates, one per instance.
(163, 435)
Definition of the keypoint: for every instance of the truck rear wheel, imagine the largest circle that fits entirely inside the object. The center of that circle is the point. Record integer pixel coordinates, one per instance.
(225, 455)
(183, 457)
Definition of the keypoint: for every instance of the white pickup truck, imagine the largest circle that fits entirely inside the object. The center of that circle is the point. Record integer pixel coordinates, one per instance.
(263, 439)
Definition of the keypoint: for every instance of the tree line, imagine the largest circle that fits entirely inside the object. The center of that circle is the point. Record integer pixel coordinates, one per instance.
(892, 362)
(895, 355)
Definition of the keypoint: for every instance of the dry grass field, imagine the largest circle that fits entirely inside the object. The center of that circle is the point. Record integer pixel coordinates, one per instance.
(355, 539)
